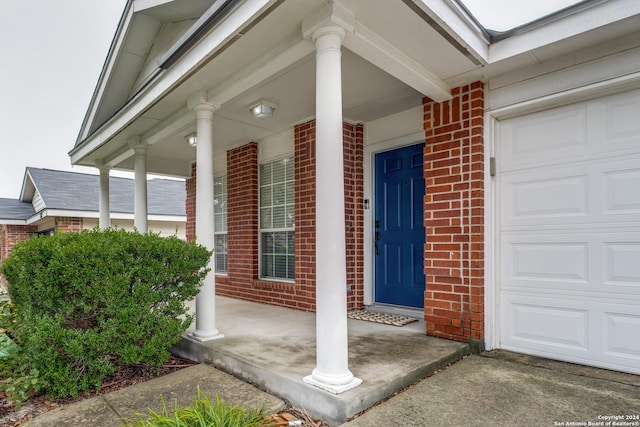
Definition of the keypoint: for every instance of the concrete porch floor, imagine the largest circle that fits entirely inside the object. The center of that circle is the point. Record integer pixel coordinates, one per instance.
(274, 348)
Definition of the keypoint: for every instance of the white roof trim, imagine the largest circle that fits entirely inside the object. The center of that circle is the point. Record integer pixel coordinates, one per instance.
(93, 214)
(563, 28)
(13, 221)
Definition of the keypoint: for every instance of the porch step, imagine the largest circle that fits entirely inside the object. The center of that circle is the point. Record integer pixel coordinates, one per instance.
(386, 359)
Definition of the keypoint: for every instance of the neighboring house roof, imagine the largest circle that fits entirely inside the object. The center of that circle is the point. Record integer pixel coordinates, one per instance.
(13, 209)
(79, 192)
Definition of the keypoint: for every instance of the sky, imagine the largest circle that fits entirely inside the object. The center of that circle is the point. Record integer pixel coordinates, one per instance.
(51, 55)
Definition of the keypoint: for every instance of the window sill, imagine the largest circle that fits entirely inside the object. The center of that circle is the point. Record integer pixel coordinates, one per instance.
(280, 286)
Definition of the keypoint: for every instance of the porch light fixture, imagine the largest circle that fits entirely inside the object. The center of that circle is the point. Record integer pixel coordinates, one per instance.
(262, 109)
(192, 139)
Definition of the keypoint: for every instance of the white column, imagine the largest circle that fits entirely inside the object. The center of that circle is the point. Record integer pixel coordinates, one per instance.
(103, 205)
(140, 211)
(206, 300)
(332, 369)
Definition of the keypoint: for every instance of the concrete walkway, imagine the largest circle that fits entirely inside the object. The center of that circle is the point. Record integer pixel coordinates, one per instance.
(496, 389)
(110, 409)
(490, 391)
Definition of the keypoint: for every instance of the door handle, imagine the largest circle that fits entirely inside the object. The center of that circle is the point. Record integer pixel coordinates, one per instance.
(377, 237)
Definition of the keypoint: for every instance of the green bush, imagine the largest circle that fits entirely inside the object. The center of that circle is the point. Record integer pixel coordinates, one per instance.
(89, 302)
(202, 412)
(19, 380)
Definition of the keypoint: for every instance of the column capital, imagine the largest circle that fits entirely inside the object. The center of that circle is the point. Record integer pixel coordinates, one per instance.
(102, 166)
(137, 144)
(199, 101)
(332, 19)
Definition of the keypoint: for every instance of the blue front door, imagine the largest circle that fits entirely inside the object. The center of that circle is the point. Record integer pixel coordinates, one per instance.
(398, 227)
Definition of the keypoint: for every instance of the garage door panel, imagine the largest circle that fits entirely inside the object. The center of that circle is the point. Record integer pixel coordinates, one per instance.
(592, 192)
(545, 324)
(536, 197)
(604, 127)
(621, 266)
(588, 260)
(622, 337)
(546, 264)
(591, 331)
(540, 136)
(618, 126)
(621, 189)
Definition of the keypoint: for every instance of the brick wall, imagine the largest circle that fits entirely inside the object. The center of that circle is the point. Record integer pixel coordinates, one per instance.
(353, 138)
(242, 225)
(68, 224)
(305, 211)
(12, 234)
(190, 205)
(242, 280)
(9, 236)
(454, 215)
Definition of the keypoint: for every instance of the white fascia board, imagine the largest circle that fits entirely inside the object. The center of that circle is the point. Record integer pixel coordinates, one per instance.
(13, 221)
(169, 79)
(93, 214)
(382, 54)
(61, 212)
(167, 218)
(598, 15)
(107, 71)
(459, 26)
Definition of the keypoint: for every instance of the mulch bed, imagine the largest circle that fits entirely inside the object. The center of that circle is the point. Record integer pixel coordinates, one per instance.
(11, 416)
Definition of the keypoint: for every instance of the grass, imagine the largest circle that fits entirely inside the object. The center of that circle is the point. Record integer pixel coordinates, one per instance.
(202, 412)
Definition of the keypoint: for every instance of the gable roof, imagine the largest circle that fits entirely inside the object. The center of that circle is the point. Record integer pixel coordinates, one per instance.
(138, 51)
(13, 209)
(73, 191)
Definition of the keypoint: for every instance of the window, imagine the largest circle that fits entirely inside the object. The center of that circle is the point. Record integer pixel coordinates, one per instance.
(220, 223)
(277, 236)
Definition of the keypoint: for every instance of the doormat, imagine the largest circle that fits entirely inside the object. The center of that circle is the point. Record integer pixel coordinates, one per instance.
(387, 319)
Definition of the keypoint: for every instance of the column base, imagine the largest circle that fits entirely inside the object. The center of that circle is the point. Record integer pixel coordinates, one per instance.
(202, 336)
(332, 388)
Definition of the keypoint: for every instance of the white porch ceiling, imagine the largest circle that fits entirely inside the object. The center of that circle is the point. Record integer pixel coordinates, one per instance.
(271, 60)
(245, 72)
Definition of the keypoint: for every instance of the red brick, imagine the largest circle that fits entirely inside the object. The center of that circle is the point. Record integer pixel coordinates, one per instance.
(454, 173)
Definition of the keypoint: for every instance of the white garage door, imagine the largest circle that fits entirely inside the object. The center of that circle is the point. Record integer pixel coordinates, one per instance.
(569, 233)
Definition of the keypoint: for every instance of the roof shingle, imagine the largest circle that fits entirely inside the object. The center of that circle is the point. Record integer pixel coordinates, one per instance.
(80, 192)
